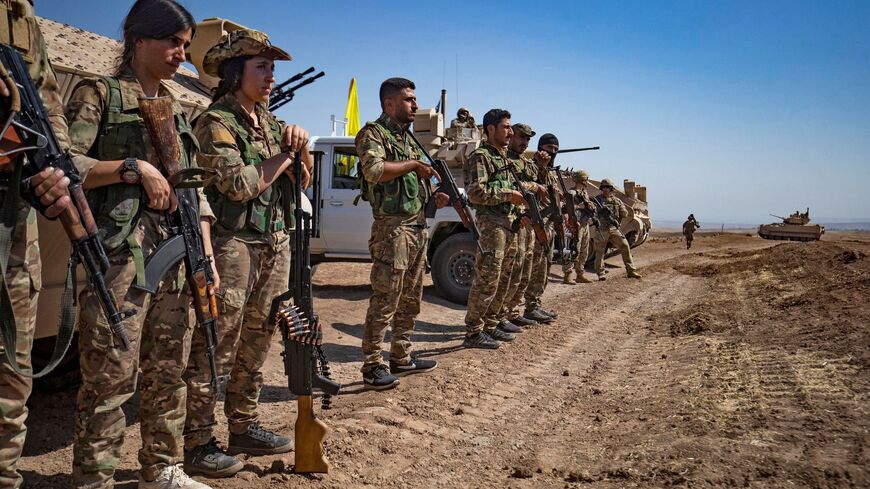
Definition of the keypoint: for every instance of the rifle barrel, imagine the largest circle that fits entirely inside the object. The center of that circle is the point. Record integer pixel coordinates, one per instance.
(297, 76)
(574, 150)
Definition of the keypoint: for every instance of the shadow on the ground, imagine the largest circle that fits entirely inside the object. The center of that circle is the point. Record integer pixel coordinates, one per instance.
(125, 479)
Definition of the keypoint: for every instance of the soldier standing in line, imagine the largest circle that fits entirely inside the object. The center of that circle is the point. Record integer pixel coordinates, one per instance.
(129, 197)
(689, 228)
(522, 268)
(23, 276)
(548, 145)
(398, 187)
(582, 237)
(492, 194)
(251, 151)
(611, 212)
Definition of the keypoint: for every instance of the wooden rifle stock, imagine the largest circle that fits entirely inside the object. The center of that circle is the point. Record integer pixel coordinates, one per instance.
(310, 433)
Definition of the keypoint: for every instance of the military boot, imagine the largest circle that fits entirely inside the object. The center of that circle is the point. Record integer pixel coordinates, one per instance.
(569, 278)
(633, 274)
(258, 440)
(582, 279)
(210, 461)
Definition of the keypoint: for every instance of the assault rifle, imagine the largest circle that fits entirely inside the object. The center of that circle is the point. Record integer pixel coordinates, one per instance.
(458, 200)
(186, 241)
(561, 250)
(606, 213)
(27, 128)
(569, 208)
(302, 334)
(533, 211)
(574, 150)
(281, 95)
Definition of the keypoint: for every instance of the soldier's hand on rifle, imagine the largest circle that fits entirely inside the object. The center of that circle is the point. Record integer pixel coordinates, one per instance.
(541, 191)
(214, 274)
(542, 158)
(525, 221)
(441, 199)
(294, 139)
(516, 198)
(306, 175)
(160, 195)
(425, 172)
(51, 186)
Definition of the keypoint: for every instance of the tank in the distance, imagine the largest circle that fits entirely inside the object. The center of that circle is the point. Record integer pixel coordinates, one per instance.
(795, 227)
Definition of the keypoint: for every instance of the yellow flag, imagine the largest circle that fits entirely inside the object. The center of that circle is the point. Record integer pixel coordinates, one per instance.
(352, 111)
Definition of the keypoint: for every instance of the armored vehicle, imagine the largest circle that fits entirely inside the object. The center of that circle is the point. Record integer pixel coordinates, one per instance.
(795, 227)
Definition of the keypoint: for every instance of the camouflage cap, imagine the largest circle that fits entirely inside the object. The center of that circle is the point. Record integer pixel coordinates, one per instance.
(241, 42)
(581, 176)
(523, 129)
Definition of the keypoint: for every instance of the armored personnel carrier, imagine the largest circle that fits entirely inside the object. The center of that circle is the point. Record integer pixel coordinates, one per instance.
(795, 227)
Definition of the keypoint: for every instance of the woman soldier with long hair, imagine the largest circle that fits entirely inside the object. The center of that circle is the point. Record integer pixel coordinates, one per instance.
(250, 150)
(129, 197)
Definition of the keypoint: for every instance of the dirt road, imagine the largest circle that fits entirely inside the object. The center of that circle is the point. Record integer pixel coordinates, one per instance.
(742, 362)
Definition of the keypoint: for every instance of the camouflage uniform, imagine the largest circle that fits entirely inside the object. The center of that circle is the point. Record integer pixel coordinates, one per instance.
(488, 192)
(24, 272)
(398, 241)
(689, 228)
(541, 260)
(522, 267)
(582, 235)
(607, 233)
(105, 125)
(252, 254)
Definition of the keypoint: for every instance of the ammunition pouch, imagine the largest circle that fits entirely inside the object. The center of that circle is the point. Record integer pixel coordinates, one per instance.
(401, 196)
(499, 182)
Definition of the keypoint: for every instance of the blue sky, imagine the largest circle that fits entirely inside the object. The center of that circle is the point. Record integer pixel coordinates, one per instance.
(730, 110)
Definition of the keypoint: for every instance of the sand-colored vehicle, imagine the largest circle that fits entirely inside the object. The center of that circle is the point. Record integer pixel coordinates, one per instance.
(795, 227)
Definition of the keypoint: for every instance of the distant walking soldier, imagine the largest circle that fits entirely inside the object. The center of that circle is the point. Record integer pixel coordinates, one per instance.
(521, 273)
(611, 212)
(23, 276)
(494, 197)
(585, 207)
(689, 228)
(398, 187)
(548, 147)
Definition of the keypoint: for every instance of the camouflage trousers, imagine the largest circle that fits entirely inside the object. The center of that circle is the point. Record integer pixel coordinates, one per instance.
(488, 292)
(252, 274)
(521, 274)
(579, 263)
(160, 333)
(613, 236)
(23, 281)
(398, 261)
(541, 262)
(689, 238)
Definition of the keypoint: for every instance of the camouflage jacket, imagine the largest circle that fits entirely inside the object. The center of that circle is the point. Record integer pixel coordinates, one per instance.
(617, 209)
(690, 226)
(375, 148)
(84, 111)
(581, 196)
(489, 190)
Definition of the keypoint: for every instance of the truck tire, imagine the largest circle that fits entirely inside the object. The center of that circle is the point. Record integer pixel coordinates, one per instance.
(453, 267)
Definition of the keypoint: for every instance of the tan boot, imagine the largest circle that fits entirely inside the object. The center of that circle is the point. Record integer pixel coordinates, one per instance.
(569, 278)
(582, 279)
(633, 274)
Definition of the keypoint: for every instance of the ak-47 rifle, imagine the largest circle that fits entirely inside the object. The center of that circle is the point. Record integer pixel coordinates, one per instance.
(186, 241)
(574, 150)
(302, 334)
(281, 95)
(27, 129)
(533, 211)
(561, 250)
(458, 200)
(569, 208)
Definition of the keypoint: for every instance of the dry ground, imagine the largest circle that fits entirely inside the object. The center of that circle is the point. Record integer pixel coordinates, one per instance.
(741, 362)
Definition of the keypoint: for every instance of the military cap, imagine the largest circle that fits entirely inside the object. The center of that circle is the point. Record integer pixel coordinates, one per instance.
(581, 176)
(523, 129)
(241, 42)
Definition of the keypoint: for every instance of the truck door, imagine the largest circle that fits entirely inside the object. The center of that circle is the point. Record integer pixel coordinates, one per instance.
(345, 227)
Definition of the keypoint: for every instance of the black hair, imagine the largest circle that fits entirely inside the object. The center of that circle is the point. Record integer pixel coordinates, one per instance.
(230, 72)
(152, 19)
(392, 86)
(494, 116)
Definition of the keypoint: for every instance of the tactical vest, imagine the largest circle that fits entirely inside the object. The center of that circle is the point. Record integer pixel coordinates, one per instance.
(259, 215)
(500, 180)
(402, 196)
(122, 134)
(16, 19)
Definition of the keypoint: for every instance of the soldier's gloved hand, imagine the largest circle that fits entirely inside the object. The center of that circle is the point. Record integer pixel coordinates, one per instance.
(51, 186)
(516, 198)
(441, 199)
(425, 172)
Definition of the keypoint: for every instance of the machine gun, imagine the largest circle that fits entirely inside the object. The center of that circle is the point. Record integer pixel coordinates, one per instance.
(458, 200)
(574, 150)
(302, 334)
(606, 213)
(533, 211)
(186, 241)
(282, 95)
(27, 130)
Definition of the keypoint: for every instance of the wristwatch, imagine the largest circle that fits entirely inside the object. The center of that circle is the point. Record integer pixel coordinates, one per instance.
(130, 172)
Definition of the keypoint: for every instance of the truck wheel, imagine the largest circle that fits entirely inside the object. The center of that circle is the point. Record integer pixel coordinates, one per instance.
(453, 267)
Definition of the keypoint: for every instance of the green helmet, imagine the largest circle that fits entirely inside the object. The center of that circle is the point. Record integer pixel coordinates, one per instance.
(606, 183)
